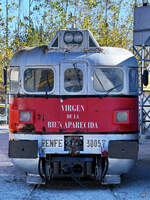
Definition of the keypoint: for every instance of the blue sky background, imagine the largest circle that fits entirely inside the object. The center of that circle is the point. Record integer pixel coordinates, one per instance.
(37, 16)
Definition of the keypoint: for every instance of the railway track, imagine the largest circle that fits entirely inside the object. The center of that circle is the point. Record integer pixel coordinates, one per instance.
(31, 192)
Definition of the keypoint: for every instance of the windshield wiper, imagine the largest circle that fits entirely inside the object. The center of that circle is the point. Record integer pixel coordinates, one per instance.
(100, 82)
(77, 75)
(111, 89)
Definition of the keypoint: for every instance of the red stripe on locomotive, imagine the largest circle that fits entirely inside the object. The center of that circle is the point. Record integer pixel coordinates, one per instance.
(91, 114)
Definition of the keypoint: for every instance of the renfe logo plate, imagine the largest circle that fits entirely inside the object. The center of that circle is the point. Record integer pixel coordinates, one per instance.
(88, 144)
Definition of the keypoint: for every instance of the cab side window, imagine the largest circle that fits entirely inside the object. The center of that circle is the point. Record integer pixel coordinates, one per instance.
(133, 80)
(14, 79)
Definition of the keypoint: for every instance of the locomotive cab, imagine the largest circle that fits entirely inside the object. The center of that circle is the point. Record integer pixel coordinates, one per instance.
(73, 109)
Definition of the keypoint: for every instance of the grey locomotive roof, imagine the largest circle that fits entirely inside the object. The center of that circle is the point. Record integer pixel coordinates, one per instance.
(109, 56)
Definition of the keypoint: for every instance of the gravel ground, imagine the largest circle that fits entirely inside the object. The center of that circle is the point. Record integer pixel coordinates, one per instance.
(135, 185)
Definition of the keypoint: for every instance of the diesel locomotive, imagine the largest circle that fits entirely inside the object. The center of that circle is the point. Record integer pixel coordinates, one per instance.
(73, 109)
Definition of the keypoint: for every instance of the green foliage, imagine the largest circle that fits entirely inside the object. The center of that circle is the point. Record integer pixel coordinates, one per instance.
(109, 20)
(26, 23)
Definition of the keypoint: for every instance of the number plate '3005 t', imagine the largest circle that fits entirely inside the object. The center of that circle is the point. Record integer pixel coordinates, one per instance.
(73, 143)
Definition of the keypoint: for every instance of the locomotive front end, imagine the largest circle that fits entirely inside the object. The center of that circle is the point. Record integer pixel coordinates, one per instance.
(73, 109)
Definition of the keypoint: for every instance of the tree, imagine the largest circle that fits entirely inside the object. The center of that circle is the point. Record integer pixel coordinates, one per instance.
(41, 19)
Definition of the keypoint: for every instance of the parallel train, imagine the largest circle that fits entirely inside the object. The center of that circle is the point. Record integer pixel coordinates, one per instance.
(73, 110)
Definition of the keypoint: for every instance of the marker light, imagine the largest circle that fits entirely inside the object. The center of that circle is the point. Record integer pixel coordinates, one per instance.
(122, 116)
(25, 116)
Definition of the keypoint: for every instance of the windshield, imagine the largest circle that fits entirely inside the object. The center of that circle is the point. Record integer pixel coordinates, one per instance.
(38, 80)
(73, 79)
(108, 80)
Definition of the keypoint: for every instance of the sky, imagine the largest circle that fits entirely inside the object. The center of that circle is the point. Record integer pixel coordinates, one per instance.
(24, 12)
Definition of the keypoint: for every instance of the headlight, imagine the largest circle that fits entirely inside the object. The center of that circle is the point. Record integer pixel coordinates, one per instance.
(68, 37)
(25, 117)
(73, 37)
(78, 37)
(122, 116)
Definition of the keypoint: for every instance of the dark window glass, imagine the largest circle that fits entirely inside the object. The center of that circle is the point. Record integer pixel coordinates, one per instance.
(108, 80)
(133, 80)
(38, 80)
(73, 80)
